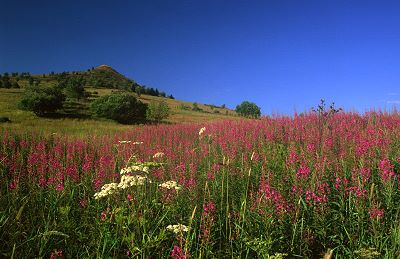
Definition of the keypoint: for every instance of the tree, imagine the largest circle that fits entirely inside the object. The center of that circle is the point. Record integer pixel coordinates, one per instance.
(42, 100)
(74, 88)
(157, 111)
(6, 82)
(133, 87)
(196, 107)
(248, 109)
(139, 90)
(15, 84)
(123, 108)
(31, 81)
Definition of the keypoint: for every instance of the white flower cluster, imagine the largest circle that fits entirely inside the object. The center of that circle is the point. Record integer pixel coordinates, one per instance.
(134, 168)
(124, 141)
(170, 185)
(106, 189)
(126, 182)
(130, 141)
(179, 228)
(131, 180)
(202, 130)
(159, 155)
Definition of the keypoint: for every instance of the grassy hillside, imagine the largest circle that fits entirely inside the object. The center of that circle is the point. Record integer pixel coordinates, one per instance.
(102, 76)
(75, 118)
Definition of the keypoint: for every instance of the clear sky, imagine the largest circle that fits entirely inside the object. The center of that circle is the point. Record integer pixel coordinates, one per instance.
(282, 55)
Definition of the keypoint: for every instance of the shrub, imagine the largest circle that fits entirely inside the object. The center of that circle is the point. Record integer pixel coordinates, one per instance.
(248, 109)
(123, 108)
(4, 119)
(74, 88)
(183, 106)
(15, 85)
(157, 111)
(196, 108)
(42, 100)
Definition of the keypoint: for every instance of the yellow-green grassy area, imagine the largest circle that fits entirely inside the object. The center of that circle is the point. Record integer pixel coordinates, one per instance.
(25, 121)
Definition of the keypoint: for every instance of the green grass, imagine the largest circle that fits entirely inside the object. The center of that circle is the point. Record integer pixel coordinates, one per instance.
(77, 121)
(250, 171)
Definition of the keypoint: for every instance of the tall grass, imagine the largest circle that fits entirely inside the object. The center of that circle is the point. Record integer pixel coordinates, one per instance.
(270, 188)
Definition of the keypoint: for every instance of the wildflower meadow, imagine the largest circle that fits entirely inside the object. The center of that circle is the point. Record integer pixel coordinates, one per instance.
(305, 186)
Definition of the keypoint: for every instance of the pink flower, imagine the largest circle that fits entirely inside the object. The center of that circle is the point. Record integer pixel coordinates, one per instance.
(386, 170)
(83, 203)
(337, 182)
(60, 187)
(13, 185)
(376, 213)
(56, 254)
(311, 148)
(103, 215)
(303, 171)
(130, 198)
(209, 208)
(177, 253)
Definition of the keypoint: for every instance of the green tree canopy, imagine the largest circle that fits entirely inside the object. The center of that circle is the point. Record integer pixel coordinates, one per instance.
(157, 111)
(74, 88)
(42, 100)
(123, 108)
(248, 109)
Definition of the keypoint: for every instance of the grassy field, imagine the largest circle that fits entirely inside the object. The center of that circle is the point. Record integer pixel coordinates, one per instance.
(78, 122)
(285, 187)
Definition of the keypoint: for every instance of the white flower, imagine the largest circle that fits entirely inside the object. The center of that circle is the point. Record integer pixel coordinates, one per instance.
(130, 142)
(170, 185)
(106, 190)
(134, 168)
(202, 130)
(158, 155)
(131, 180)
(179, 228)
(124, 141)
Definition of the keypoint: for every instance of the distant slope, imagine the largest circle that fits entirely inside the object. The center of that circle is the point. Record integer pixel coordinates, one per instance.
(77, 119)
(102, 76)
(181, 111)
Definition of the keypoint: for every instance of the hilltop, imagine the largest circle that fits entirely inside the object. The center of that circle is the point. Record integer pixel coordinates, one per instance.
(103, 76)
(98, 81)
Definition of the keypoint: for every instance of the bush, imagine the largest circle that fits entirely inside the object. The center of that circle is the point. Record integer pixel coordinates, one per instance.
(123, 108)
(15, 85)
(183, 106)
(74, 88)
(248, 109)
(157, 111)
(42, 100)
(196, 108)
(4, 119)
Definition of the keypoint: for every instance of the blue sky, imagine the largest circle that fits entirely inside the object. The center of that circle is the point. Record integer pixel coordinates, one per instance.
(283, 55)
